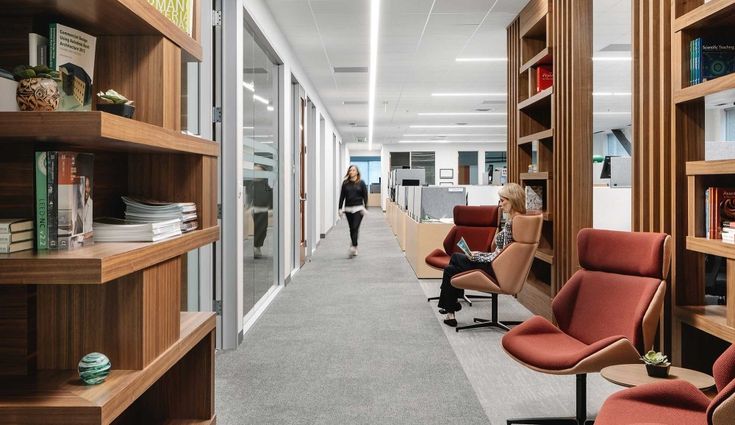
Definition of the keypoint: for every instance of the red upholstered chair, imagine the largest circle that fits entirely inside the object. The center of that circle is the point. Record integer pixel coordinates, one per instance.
(510, 269)
(607, 313)
(676, 402)
(477, 225)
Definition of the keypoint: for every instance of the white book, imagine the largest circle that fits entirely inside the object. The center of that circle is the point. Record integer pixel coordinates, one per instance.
(117, 230)
(37, 49)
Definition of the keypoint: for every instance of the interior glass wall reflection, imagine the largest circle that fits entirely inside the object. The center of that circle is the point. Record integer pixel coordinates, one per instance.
(260, 172)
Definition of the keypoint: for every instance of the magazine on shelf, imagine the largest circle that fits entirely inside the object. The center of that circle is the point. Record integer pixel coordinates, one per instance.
(141, 210)
(108, 229)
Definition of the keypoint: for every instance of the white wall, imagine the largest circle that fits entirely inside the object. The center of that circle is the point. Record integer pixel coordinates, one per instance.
(446, 156)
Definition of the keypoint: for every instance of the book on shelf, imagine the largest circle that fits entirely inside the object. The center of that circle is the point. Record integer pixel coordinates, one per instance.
(7, 238)
(72, 52)
(8, 248)
(711, 57)
(37, 49)
(141, 210)
(719, 210)
(544, 77)
(180, 12)
(107, 229)
(534, 197)
(15, 225)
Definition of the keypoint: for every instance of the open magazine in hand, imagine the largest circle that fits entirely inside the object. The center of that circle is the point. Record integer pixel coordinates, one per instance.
(465, 248)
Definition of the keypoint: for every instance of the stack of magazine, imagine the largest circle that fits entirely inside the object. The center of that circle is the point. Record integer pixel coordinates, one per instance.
(149, 211)
(108, 229)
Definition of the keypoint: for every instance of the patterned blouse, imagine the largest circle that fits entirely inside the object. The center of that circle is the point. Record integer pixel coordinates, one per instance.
(502, 239)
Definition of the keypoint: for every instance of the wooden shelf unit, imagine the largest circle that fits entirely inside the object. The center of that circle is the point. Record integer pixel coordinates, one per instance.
(691, 177)
(120, 299)
(541, 134)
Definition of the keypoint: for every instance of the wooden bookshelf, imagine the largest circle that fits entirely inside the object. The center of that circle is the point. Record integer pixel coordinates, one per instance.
(98, 131)
(121, 299)
(691, 176)
(543, 134)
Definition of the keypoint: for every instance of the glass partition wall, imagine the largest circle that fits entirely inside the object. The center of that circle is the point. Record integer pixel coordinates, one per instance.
(260, 172)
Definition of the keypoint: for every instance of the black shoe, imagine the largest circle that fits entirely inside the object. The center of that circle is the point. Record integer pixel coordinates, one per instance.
(451, 322)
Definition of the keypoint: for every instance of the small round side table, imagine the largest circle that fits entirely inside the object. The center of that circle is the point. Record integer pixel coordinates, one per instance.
(631, 375)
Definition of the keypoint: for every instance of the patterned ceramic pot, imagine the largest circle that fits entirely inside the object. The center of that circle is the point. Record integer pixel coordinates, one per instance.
(37, 94)
(94, 368)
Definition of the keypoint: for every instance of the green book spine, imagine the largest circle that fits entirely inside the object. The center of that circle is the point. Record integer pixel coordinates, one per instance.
(41, 223)
(52, 46)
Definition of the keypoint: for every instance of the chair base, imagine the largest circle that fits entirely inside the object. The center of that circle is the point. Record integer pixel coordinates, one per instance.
(467, 298)
(580, 419)
(491, 323)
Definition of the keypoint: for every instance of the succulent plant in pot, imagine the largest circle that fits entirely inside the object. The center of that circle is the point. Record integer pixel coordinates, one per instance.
(115, 103)
(657, 364)
(37, 88)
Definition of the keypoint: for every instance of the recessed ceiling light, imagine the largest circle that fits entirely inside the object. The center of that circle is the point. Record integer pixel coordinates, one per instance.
(460, 113)
(459, 126)
(482, 59)
(470, 94)
(261, 99)
(270, 108)
(450, 141)
(452, 135)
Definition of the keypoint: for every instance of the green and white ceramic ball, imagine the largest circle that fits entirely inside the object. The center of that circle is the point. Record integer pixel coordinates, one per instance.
(94, 368)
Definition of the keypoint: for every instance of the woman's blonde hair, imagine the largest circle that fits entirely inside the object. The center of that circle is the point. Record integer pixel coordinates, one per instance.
(515, 194)
(357, 175)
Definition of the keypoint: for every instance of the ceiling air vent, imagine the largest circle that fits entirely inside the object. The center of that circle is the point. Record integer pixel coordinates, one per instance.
(361, 139)
(350, 69)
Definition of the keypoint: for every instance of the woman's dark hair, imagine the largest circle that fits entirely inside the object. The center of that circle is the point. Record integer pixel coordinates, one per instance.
(347, 175)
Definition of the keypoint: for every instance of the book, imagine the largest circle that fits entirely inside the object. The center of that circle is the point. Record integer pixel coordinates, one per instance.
(7, 238)
(108, 229)
(16, 246)
(534, 197)
(721, 209)
(37, 49)
(40, 210)
(544, 77)
(14, 225)
(180, 12)
(74, 189)
(52, 199)
(462, 244)
(71, 52)
(717, 57)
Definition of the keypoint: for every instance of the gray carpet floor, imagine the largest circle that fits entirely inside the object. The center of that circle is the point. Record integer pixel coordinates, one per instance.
(349, 341)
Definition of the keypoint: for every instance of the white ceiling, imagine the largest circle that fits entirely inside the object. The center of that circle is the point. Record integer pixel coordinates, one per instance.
(419, 42)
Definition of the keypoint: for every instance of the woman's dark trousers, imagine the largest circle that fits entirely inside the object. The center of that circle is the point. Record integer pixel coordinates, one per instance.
(458, 264)
(354, 220)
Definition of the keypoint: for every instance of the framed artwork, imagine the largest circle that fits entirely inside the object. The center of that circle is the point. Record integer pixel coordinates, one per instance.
(446, 173)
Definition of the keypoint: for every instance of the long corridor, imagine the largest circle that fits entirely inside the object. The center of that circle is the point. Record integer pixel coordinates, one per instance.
(353, 341)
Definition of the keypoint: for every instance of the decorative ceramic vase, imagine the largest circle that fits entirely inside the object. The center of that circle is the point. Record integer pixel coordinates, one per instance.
(37, 94)
(658, 370)
(94, 368)
(120, 109)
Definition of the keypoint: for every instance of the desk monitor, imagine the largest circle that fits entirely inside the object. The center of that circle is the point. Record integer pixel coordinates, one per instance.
(605, 174)
(410, 182)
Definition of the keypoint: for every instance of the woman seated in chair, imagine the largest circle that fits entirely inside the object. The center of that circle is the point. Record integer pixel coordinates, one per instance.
(512, 202)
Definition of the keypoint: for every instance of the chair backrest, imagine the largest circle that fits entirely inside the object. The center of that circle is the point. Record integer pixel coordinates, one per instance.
(476, 224)
(512, 265)
(721, 410)
(619, 290)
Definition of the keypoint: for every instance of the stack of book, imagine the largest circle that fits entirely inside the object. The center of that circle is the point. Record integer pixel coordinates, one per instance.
(719, 213)
(728, 233)
(711, 57)
(16, 234)
(149, 211)
(119, 230)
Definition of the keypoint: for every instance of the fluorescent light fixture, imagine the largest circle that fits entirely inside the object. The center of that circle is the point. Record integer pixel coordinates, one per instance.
(612, 58)
(451, 141)
(250, 86)
(470, 94)
(611, 113)
(607, 93)
(373, 77)
(248, 128)
(453, 135)
(270, 108)
(437, 114)
(459, 126)
(261, 99)
(482, 59)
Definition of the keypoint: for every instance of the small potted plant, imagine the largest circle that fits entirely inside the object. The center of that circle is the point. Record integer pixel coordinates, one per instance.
(657, 364)
(115, 103)
(37, 88)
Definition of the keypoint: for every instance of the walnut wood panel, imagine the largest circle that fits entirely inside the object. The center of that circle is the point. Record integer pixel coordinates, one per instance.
(98, 263)
(539, 100)
(572, 124)
(14, 40)
(730, 301)
(121, 17)
(706, 168)
(700, 90)
(541, 135)
(58, 397)
(696, 14)
(535, 297)
(529, 17)
(514, 62)
(711, 319)
(97, 132)
(132, 320)
(17, 329)
(544, 57)
(146, 69)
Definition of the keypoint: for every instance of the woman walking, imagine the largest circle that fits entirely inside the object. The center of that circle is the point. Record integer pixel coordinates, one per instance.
(512, 202)
(354, 195)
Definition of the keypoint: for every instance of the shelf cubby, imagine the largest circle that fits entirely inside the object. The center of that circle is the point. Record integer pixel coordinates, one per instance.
(544, 57)
(547, 134)
(541, 99)
(716, 13)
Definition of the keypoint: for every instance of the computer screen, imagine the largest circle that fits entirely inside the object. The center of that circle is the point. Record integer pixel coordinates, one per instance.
(605, 174)
(410, 182)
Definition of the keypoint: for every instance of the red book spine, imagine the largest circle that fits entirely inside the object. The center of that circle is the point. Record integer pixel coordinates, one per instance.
(544, 77)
